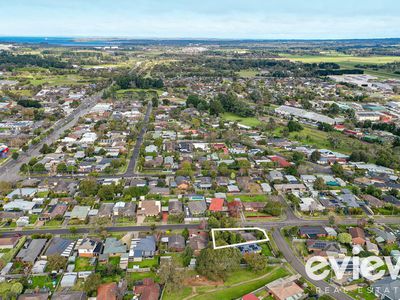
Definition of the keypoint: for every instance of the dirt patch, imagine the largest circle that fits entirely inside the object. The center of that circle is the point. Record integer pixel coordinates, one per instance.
(201, 281)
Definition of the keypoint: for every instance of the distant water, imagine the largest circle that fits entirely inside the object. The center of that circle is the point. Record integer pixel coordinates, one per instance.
(61, 41)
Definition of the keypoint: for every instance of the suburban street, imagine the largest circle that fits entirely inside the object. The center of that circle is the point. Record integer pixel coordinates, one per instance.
(130, 171)
(296, 264)
(9, 171)
(274, 227)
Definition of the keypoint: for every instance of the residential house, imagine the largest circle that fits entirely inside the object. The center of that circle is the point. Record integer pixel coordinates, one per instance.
(31, 250)
(106, 210)
(312, 232)
(357, 235)
(295, 187)
(53, 211)
(198, 241)
(147, 290)
(387, 288)
(60, 246)
(197, 208)
(79, 212)
(383, 236)
(9, 242)
(286, 289)
(176, 243)
(175, 207)
(114, 247)
(217, 205)
(142, 248)
(89, 247)
(149, 208)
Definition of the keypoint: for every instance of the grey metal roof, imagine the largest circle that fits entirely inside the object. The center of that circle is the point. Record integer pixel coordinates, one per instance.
(57, 246)
(33, 250)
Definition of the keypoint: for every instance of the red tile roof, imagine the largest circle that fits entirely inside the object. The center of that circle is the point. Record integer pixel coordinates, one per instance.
(281, 161)
(216, 204)
(250, 297)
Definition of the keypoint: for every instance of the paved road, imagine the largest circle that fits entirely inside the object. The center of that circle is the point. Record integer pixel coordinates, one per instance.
(10, 170)
(130, 171)
(136, 150)
(295, 262)
(109, 229)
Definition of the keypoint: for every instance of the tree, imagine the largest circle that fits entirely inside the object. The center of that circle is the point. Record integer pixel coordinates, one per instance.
(15, 155)
(256, 262)
(185, 233)
(337, 169)
(88, 187)
(319, 184)
(294, 126)
(298, 157)
(171, 275)
(344, 238)
(315, 156)
(187, 255)
(273, 208)
(56, 262)
(106, 192)
(62, 168)
(92, 283)
(216, 107)
(216, 264)
(5, 187)
(17, 288)
(334, 140)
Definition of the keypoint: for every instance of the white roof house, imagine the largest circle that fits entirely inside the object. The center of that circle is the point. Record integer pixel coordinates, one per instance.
(266, 187)
(80, 212)
(310, 204)
(88, 138)
(19, 204)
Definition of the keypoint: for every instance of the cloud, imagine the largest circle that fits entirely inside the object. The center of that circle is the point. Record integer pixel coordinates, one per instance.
(206, 18)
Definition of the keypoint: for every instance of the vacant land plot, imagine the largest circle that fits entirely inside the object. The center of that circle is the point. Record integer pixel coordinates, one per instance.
(250, 121)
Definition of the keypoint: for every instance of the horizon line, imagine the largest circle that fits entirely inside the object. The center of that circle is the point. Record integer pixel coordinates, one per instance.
(111, 37)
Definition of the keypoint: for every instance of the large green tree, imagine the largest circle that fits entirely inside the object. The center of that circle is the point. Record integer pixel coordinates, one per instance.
(216, 264)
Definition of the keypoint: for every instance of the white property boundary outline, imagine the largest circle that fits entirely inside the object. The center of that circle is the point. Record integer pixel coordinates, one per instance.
(238, 229)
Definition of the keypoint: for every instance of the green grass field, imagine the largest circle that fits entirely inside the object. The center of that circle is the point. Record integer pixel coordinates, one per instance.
(83, 264)
(248, 73)
(234, 292)
(314, 137)
(341, 58)
(348, 61)
(250, 121)
(248, 198)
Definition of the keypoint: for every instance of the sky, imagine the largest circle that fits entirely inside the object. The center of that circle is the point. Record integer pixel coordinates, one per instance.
(225, 19)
